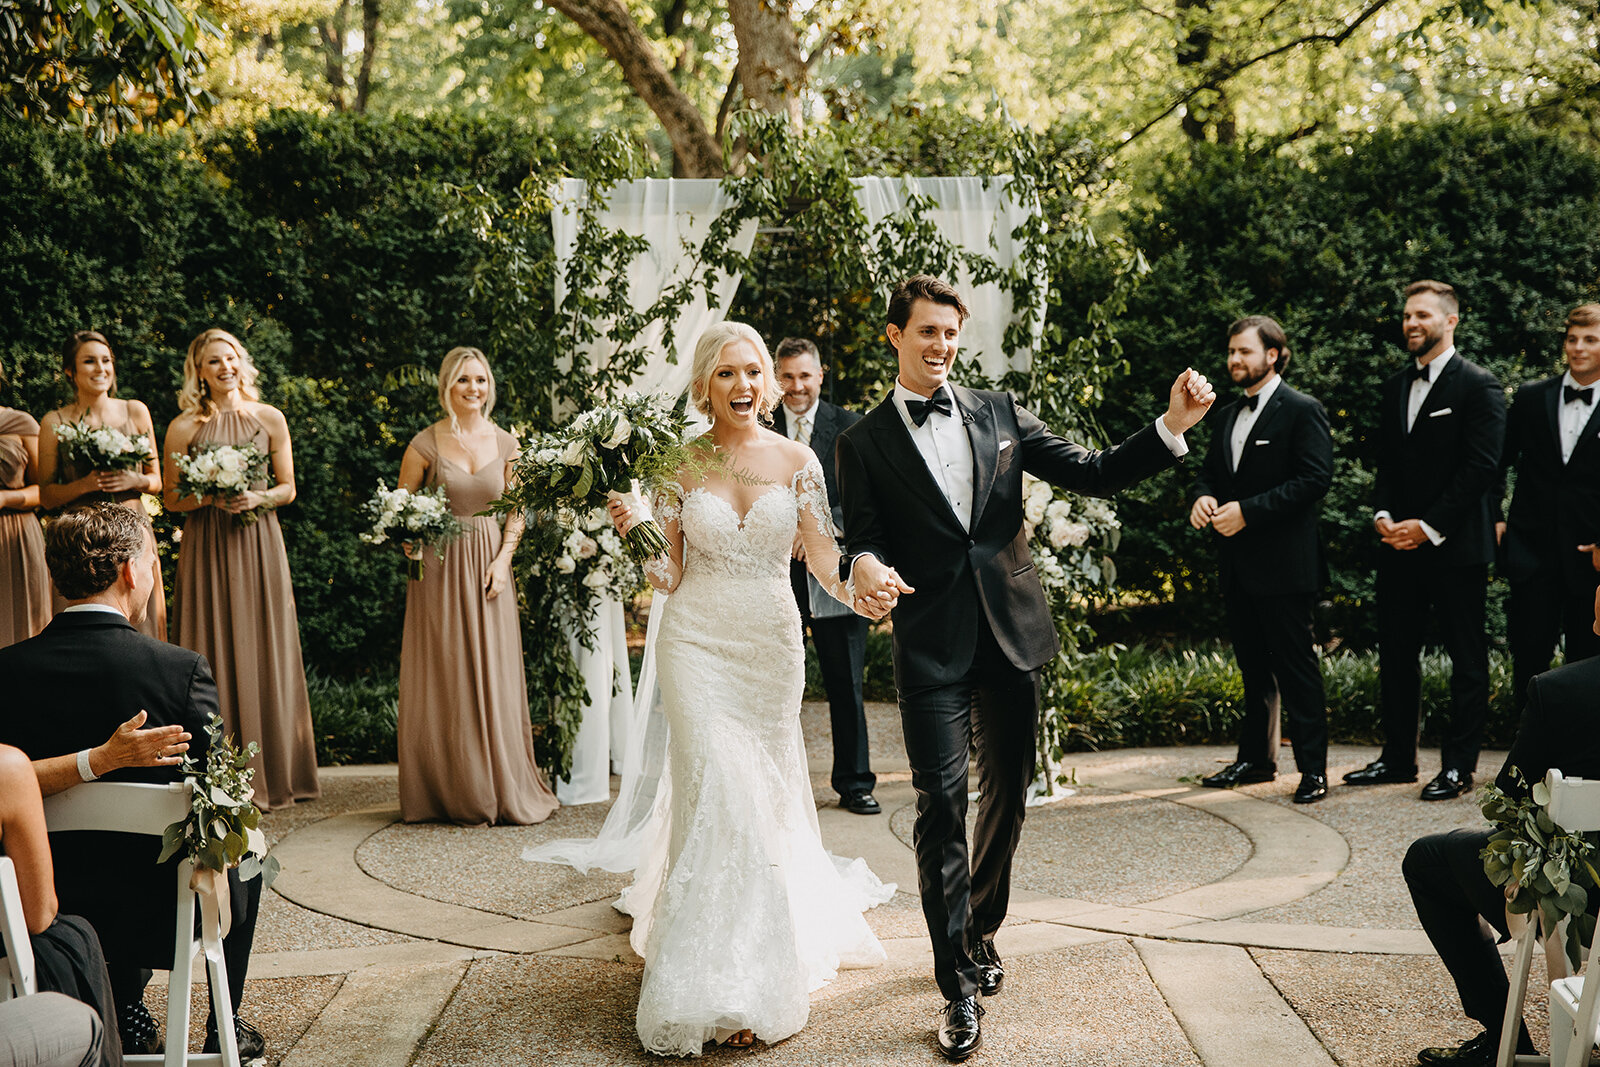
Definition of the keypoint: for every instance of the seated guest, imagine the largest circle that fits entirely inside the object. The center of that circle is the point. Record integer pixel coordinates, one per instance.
(89, 671)
(1460, 909)
(51, 1030)
(66, 951)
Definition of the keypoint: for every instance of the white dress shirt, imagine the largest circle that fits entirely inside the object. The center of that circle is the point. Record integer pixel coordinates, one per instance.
(1574, 415)
(1247, 417)
(1414, 402)
(943, 443)
(791, 421)
(94, 607)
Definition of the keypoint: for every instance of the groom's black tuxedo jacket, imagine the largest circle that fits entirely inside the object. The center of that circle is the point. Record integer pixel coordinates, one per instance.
(894, 509)
(1442, 471)
(831, 420)
(1555, 506)
(67, 689)
(1284, 472)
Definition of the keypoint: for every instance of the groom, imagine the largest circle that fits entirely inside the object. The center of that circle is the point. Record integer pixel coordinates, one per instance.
(931, 483)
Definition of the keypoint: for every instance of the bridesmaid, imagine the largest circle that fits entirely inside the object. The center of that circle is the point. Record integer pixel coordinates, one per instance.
(466, 747)
(234, 604)
(24, 581)
(91, 367)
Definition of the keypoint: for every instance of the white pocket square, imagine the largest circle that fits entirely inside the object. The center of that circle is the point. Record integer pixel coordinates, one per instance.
(1264, 441)
(1441, 411)
(1004, 445)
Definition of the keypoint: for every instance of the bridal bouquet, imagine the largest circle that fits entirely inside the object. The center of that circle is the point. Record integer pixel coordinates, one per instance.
(223, 829)
(422, 518)
(606, 449)
(101, 448)
(223, 471)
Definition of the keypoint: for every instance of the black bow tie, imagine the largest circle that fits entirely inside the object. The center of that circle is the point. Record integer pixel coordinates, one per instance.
(1569, 394)
(920, 409)
(1421, 372)
(1251, 401)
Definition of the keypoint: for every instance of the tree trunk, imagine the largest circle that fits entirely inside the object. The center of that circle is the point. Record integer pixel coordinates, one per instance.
(332, 33)
(772, 71)
(695, 151)
(1209, 111)
(369, 48)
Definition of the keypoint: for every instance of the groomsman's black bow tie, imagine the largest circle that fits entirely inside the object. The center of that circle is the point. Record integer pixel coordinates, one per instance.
(1569, 394)
(1252, 400)
(1420, 372)
(920, 409)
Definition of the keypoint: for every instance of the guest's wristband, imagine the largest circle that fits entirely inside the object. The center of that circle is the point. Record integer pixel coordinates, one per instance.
(83, 766)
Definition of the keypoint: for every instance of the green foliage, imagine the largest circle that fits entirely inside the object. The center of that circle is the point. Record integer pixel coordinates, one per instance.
(101, 66)
(1119, 697)
(354, 719)
(1541, 865)
(1505, 214)
(222, 829)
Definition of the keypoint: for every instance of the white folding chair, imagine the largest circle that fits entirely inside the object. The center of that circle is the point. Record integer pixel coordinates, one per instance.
(16, 970)
(136, 808)
(1575, 807)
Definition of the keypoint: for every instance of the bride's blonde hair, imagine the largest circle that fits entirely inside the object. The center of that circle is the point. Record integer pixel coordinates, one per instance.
(708, 349)
(195, 396)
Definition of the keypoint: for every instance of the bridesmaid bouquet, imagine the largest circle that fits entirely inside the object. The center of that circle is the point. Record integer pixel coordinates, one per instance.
(604, 450)
(422, 518)
(102, 448)
(223, 471)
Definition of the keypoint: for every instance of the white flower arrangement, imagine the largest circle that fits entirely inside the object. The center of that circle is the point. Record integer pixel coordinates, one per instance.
(223, 471)
(421, 518)
(1071, 539)
(596, 556)
(102, 448)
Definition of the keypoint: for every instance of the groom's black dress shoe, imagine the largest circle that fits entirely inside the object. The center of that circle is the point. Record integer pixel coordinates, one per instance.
(1447, 785)
(1481, 1051)
(1380, 773)
(1241, 772)
(861, 802)
(1312, 788)
(252, 1045)
(991, 972)
(959, 1033)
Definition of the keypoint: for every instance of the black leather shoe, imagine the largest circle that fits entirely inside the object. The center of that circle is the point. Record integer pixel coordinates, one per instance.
(1447, 785)
(1380, 773)
(991, 971)
(140, 1036)
(861, 802)
(1312, 788)
(1241, 772)
(252, 1046)
(959, 1033)
(1480, 1051)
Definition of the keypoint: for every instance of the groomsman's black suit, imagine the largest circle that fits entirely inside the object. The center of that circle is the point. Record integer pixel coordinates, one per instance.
(1560, 728)
(969, 642)
(1441, 472)
(1272, 569)
(67, 689)
(1554, 508)
(841, 642)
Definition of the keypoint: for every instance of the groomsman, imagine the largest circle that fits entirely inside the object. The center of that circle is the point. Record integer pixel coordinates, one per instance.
(931, 481)
(1440, 430)
(1260, 490)
(1548, 542)
(838, 633)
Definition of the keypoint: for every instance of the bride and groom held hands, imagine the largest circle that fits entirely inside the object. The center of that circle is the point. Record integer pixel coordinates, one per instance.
(739, 912)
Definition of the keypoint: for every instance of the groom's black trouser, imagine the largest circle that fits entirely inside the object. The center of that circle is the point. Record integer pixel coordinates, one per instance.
(994, 707)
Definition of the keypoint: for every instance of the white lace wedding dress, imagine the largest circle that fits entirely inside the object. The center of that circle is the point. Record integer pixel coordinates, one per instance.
(739, 912)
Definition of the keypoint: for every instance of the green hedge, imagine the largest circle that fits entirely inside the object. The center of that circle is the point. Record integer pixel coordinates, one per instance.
(1325, 243)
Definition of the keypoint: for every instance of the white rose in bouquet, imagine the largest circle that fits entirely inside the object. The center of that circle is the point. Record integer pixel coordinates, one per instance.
(620, 434)
(573, 456)
(1077, 534)
(566, 565)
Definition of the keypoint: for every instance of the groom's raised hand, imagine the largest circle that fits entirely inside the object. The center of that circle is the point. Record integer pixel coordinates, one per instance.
(1191, 397)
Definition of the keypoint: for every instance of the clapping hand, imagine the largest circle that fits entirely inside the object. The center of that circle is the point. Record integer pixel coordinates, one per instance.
(159, 746)
(1191, 397)
(878, 587)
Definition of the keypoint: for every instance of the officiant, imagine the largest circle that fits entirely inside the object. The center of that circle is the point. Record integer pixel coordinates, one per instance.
(838, 634)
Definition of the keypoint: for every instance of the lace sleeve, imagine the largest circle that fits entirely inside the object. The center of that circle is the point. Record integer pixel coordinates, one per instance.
(666, 570)
(817, 532)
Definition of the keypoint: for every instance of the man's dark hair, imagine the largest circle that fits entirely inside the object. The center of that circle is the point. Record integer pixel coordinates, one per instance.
(1445, 293)
(796, 346)
(922, 287)
(86, 546)
(1271, 334)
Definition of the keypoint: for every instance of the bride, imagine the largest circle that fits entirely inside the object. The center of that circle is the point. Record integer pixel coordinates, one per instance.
(739, 912)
